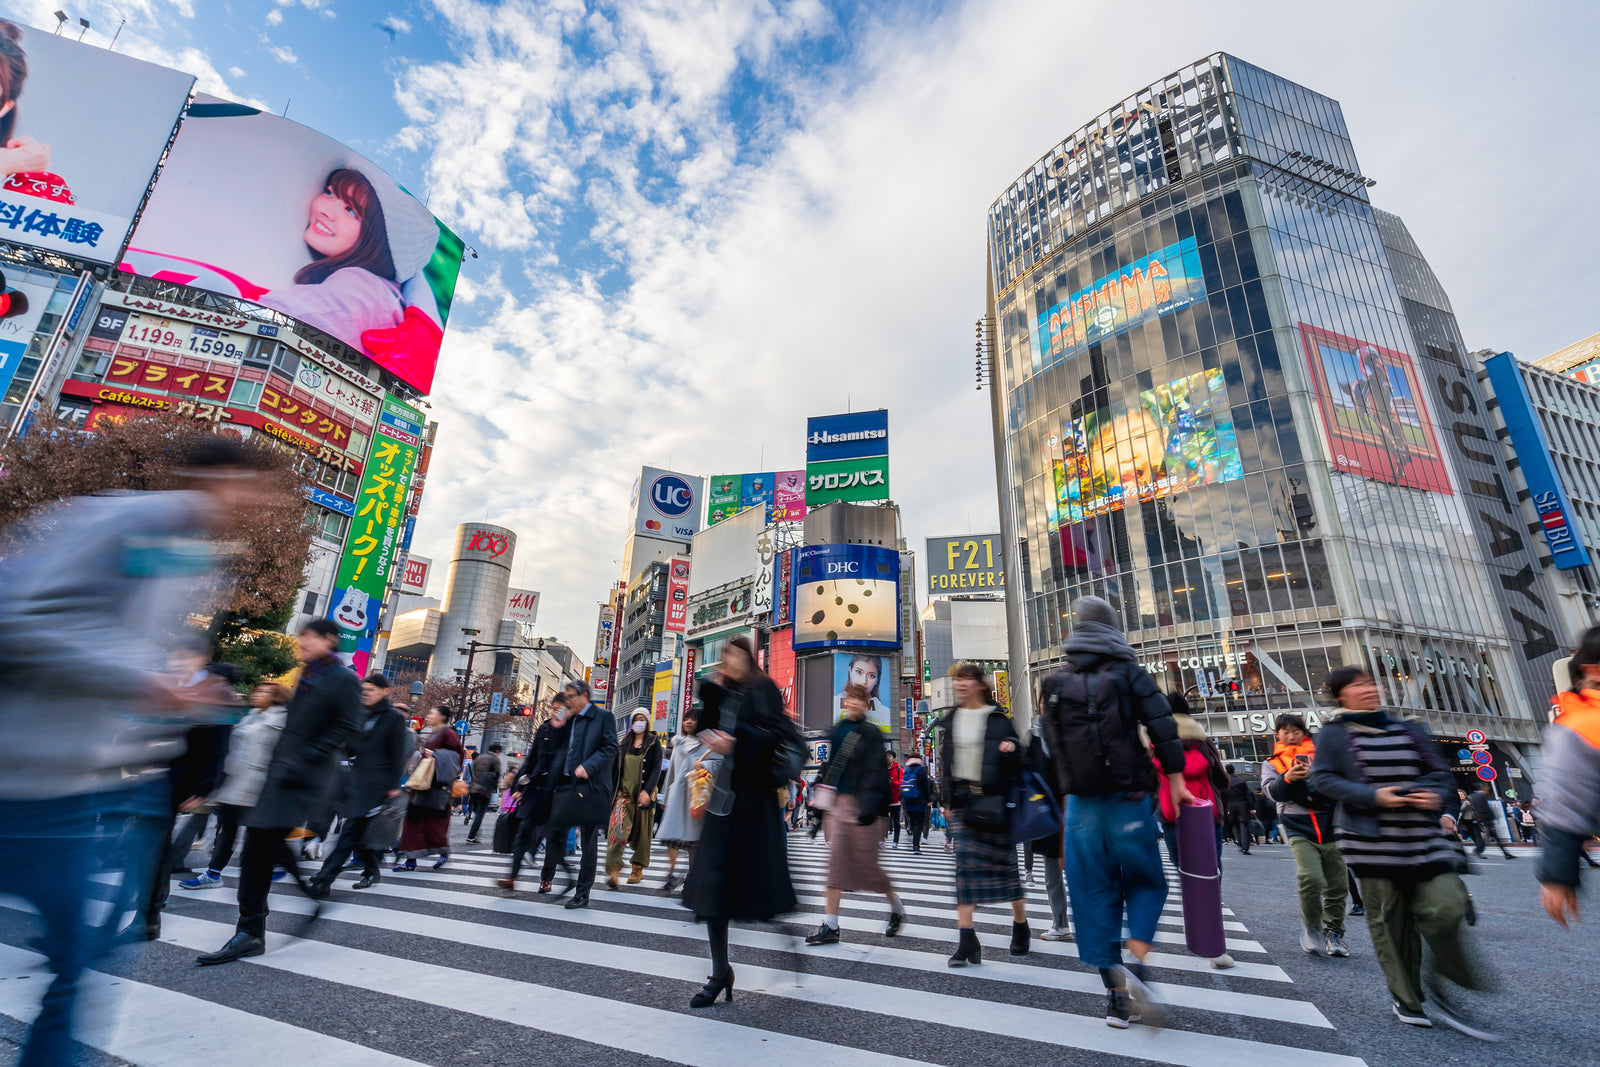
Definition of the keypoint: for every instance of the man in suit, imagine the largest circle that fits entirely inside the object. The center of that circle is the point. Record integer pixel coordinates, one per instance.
(590, 757)
(323, 717)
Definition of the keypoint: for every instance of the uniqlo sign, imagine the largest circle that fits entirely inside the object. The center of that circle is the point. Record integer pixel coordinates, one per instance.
(677, 596)
(415, 578)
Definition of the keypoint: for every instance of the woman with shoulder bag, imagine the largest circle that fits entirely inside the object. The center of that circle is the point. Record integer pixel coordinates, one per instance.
(633, 803)
(981, 762)
(680, 827)
(740, 868)
(435, 772)
(856, 785)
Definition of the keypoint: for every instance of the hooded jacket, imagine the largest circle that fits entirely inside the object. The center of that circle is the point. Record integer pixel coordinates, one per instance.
(1569, 785)
(1302, 811)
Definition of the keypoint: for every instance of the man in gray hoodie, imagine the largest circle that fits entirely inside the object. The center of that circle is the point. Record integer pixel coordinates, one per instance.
(92, 592)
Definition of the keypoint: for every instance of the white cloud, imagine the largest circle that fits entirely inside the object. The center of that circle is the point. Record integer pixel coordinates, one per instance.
(394, 24)
(235, 72)
(283, 54)
(274, 17)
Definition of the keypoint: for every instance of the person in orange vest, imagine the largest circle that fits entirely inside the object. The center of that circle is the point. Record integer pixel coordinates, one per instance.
(1306, 818)
(1569, 787)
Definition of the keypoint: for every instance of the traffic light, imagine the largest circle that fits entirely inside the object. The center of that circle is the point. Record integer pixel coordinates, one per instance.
(527, 711)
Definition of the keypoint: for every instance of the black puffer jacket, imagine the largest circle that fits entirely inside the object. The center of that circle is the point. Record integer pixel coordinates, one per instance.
(866, 776)
(1001, 770)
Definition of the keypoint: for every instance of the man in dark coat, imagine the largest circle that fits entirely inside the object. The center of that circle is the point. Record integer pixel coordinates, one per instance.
(378, 759)
(533, 789)
(323, 716)
(1240, 802)
(591, 756)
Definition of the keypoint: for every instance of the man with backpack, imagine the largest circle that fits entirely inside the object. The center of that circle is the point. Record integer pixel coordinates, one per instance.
(1092, 710)
(915, 789)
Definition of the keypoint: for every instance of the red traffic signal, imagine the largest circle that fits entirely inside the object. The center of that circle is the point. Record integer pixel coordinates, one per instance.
(416, 722)
(527, 711)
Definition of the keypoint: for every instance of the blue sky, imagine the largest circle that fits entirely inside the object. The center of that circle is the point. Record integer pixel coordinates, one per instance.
(699, 221)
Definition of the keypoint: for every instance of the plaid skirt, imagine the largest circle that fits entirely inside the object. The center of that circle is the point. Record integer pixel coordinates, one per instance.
(986, 864)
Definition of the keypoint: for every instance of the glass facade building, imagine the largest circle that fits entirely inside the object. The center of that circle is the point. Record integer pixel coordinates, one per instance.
(1210, 409)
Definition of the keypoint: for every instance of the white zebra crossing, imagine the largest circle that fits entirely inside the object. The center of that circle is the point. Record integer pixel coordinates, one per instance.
(1248, 1016)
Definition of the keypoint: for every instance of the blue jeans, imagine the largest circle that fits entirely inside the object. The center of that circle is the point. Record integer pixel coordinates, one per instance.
(51, 850)
(1113, 868)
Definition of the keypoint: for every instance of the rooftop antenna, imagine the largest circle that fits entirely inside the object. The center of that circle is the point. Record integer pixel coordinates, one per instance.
(286, 104)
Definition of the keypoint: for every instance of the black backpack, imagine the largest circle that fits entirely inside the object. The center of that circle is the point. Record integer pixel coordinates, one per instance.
(1094, 743)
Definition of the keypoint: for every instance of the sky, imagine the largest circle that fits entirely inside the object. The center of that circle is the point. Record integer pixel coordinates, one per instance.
(698, 222)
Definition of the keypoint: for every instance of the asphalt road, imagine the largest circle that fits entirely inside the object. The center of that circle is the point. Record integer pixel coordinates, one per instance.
(440, 968)
(1547, 984)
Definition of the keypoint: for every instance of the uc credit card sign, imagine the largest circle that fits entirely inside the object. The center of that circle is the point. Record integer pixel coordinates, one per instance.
(855, 435)
(667, 505)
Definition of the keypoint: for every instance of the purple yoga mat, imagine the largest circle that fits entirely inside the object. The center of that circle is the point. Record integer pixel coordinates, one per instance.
(1200, 881)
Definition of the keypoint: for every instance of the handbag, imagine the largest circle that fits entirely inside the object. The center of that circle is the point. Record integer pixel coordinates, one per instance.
(824, 793)
(383, 827)
(621, 826)
(422, 777)
(579, 803)
(1034, 811)
(987, 810)
(459, 788)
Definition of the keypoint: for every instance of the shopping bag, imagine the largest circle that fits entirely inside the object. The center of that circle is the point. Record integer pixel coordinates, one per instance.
(422, 777)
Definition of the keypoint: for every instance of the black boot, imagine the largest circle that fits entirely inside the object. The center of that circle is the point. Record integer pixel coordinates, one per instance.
(1020, 936)
(968, 951)
(238, 947)
(714, 988)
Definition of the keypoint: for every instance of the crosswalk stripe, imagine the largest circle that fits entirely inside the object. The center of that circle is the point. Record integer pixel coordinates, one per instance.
(483, 995)
(156, 1027)
(699, 1040)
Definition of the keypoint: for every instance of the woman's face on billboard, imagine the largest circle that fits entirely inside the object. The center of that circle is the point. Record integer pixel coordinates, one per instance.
(864, 672)
(334, 227)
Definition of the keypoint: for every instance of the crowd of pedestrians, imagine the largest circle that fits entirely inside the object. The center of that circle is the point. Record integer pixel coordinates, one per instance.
(1110, 767)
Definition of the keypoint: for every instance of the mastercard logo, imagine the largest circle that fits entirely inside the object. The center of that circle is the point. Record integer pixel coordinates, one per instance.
(651, 524)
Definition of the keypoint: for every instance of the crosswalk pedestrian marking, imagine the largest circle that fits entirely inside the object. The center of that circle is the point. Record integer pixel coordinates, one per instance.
(1251, 1024)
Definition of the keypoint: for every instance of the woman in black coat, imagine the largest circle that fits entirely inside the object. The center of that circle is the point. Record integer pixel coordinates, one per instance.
(740, 868)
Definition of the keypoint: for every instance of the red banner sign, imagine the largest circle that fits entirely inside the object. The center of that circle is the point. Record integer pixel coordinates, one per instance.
(677, 596)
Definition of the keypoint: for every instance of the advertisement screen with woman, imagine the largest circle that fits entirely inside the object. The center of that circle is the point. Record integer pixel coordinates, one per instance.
(872, 674)
(81, 131)
(255, 206)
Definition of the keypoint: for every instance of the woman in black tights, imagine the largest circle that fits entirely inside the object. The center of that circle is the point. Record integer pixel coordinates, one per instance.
(740, 868)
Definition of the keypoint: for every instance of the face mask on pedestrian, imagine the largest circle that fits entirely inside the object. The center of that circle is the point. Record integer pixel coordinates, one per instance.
(638, 727)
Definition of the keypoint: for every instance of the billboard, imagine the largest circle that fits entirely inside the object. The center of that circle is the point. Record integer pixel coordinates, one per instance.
(1538, 468)
(974, 563)
(415, 577)
(21, 307)
(1172, 437)
(978, 630)
(1154, 285)
(667, 506)
(603, 636)
(783, 589)
(677, 613)
(846, 595)
(255, 206)
(870, 672)
(1374, 418)
(847, 479)
(766, 553)
(851, 436)
(661, 696)
(82, 132)
(522, 605)
(781, 494)
(781, 668)
(374, 539)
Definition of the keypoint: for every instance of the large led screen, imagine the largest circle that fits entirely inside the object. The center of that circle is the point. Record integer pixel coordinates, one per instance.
(1154, 285)
(1179, 435)
(81, 131)
(872, 673)
(846, 595)
(255, 206)
(1373, 416)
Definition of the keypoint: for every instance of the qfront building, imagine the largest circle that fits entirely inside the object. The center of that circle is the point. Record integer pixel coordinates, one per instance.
(1210, 409)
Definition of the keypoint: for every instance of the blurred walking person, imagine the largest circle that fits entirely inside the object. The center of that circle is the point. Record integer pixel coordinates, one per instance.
(978, 749)
(680, 826)
(92, 593)
(486, 769)
(1569, 783)
(532, 789)
(1488, 819)
(740, 870)
(1390, 785)
(373, 804)
(1307, 818)
(857, 785)
(1097, 712)
(896, 776)
(916, 790)
(323, 716)
(244, 775)
(427, 825)
(637, 776)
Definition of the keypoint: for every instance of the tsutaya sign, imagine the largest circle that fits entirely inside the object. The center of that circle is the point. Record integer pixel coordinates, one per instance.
(1260, 722)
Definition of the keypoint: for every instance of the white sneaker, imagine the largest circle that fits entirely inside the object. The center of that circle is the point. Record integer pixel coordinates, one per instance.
(1222, 962)
(1056, 933)
(1312, 942)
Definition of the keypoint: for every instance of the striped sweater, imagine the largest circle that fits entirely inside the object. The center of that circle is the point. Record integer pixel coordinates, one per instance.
(1409, 844)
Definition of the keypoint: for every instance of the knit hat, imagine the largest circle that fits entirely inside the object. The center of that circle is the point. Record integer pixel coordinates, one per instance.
(412, 230)
(1094, 609)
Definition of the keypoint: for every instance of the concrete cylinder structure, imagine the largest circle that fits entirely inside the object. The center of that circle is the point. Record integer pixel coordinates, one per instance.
(474, 597)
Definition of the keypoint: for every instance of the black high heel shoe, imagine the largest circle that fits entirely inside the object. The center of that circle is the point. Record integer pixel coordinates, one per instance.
(714, 987)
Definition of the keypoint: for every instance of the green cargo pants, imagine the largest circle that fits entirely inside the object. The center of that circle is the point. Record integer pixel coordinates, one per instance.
(1401, 916)
(1323, 883)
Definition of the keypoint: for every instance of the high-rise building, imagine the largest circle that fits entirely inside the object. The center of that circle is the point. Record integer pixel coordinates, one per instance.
(474, 598)
(1210, 409)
